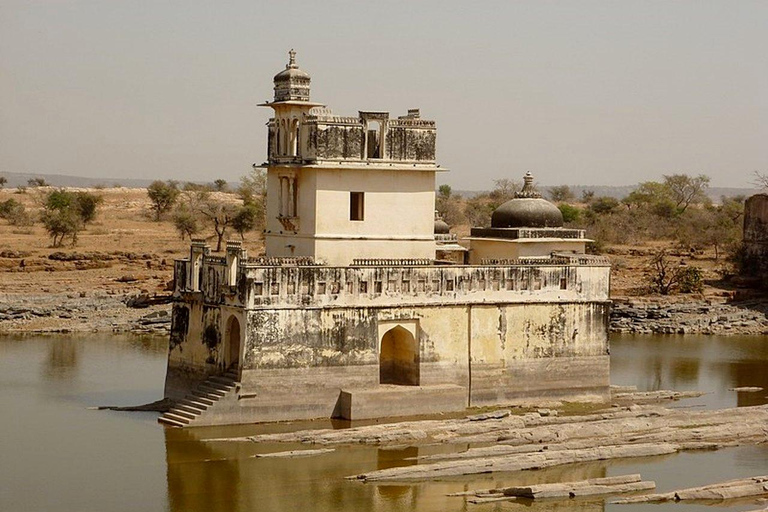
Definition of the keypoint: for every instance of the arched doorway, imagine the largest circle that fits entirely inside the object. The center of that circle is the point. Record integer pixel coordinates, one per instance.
(233, 342)
(399, 358)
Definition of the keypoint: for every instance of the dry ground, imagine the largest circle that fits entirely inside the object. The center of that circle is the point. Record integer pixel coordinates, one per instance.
(124, 241)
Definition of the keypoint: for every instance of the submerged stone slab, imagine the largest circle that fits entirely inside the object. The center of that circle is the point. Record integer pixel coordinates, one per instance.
(393, 400)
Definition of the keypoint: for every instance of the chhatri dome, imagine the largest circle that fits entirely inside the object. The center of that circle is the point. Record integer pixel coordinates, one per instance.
(441, 227)
(292, 84)
(527, 210)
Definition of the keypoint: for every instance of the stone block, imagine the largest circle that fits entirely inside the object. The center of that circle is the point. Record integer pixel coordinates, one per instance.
(392, 400)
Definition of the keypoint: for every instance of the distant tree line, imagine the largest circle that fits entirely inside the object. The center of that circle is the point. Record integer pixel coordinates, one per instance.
(194, 209)
(676, 209)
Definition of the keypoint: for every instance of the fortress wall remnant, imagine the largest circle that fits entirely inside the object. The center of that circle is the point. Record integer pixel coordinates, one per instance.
(756, 234)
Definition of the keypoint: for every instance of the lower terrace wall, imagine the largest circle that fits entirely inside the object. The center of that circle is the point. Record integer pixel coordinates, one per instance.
(502, 333)
(298, 360)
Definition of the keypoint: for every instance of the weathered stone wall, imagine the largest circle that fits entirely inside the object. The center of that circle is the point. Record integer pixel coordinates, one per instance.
(442, 285)
(501, 333)
(343, 138)
(407, 143)
(297, 360)
(756, 234)
(335, 141)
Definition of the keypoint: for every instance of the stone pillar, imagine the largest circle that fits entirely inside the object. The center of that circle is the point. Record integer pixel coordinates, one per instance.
(197, 252)
(291, 197)
(234, 248)
(283, 196)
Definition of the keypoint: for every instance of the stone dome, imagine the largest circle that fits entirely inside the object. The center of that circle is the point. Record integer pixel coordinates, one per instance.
(292, 84)
(441, 227)
(527, 210)
(290, 73)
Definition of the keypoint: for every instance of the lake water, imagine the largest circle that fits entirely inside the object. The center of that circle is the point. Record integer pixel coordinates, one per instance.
(56, 455)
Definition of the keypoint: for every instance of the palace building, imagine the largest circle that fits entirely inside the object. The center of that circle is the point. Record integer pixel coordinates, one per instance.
(365, 305)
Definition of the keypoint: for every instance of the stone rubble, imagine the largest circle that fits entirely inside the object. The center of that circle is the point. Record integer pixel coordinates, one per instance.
(80, 312)
(592, 487)
(691, 316)
(741, 488)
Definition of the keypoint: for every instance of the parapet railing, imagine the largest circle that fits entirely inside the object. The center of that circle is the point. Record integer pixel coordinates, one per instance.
(387, 262)
(447, 238)
(275, 261)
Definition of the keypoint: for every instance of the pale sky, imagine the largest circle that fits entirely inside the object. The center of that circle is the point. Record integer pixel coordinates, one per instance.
(578, 92)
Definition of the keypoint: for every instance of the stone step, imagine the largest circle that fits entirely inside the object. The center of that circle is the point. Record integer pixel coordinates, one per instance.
(392, 400)
(170, 422)
(175, 417)
(224, 388)
(177, 411)
(197, 409)
(210, 390)
(205, 398)
(222, 379)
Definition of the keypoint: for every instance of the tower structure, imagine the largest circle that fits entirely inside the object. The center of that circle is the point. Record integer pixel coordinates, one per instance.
(341, 188)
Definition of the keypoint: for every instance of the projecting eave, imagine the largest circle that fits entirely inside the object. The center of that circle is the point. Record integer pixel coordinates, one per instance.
(274, 104)
(357, 165)
(530, 240)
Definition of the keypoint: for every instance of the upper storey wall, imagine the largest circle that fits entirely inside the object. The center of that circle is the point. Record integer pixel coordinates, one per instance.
(308, 138)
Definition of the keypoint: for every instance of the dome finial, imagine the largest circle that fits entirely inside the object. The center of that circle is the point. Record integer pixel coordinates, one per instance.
(291, 60)
(528, 189)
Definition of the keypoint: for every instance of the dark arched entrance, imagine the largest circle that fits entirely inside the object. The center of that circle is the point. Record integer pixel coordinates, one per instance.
(399, 358)
(233, 342)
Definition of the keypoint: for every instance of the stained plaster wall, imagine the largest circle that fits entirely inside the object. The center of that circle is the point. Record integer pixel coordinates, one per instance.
(303, 348)
(502, 333)
(499, 249)
(198, 344)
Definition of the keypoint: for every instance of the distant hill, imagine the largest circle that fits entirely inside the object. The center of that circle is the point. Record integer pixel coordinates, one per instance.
(62, 180)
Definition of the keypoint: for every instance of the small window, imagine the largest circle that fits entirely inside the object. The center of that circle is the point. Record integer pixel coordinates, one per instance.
(356, 205)
(377, 287)
(363, 286)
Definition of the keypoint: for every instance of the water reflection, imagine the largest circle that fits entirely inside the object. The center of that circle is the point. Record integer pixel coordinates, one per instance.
(98, 459)
(694, 363)
(221, 476)
(61, 363)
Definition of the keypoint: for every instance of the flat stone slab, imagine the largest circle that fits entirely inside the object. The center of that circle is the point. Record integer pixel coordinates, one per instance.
(389, 400)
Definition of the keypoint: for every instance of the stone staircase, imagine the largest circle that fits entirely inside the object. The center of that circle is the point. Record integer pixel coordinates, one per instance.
(194, 406)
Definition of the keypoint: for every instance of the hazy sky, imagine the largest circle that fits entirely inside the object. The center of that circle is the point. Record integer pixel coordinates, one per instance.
(600, 92)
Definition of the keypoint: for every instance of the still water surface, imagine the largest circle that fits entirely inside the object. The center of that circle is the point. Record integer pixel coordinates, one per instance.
(56, 455)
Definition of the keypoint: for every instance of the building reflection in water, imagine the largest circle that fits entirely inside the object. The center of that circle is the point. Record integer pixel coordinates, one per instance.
(228, 477)
(62, 360)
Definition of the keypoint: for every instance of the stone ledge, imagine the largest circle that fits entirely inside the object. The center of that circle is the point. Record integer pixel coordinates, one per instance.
(387, 400)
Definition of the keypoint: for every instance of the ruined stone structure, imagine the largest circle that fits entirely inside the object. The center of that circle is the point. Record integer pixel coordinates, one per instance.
(351, 315)
(756, 235)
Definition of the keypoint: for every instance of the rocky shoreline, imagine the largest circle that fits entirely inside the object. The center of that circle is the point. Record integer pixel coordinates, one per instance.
(652, 315)
(144, 314)
(52, 313)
